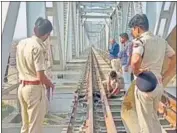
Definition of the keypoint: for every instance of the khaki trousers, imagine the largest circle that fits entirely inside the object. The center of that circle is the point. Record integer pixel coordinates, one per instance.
(33, 107)
(146, 107)
(116, 65)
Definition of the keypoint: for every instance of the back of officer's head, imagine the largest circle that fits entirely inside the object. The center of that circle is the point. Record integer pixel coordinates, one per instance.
(139, 20)
(113, 74)
(139, 24)
(43, 28)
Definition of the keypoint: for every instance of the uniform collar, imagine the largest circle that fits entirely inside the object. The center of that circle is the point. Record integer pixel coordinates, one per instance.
(146, 33)
(41, 43)
(37, 39)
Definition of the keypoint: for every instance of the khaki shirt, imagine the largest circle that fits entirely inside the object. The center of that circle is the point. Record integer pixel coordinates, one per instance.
(154, 49)
(30, 58)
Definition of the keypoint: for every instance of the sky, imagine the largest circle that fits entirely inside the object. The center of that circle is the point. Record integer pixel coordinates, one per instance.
(21, 30)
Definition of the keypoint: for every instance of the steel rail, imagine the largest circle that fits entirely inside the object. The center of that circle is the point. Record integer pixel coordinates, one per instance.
(90, 121)
(110, 125)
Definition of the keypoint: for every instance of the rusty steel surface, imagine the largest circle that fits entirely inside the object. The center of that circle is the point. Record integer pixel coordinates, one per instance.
(90, 121)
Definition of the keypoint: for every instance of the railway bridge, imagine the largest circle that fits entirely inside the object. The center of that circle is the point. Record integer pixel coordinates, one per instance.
(77, 59)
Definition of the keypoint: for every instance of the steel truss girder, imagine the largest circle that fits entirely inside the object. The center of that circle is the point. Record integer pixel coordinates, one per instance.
(151, 11)
(103, 10)
(82, 38)
(66, 33)
(107, 30)
(56, 9)
(69, 34)
(78, 33)
(49, 11)
(95, 22)
(125, 6)
(91, 32)
(70, 38)
(60, 18)
(130, 14)
(95, 16)
(81, 35)
(138, 7)
(165, 14)
(74, 28)
(96, 27)
(98, 4)
(33, 11)
(8, 33)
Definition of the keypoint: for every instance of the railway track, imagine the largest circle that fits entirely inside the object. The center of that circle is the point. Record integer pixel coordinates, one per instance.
(167, 107)
(93, 112)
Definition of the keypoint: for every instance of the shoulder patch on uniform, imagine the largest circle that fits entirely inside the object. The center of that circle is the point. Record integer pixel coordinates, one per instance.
(135, 45)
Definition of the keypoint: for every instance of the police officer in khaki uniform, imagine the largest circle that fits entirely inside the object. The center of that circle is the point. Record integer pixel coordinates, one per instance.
(148, 55)
(33, 81)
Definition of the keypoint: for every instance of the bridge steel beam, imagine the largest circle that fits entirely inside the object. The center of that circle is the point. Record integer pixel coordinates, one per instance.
(61, 34)
(98, 4)
(69, 43)
(151, 8)
(59, 31)
(81, 34)
(67, 33)
(167, 16)
(78, 32)
(33, 11)
(125, 6)
(83, 37)
(103, 10)
(107, 30)
(95, 16)
(74, 26)
(8, 33)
